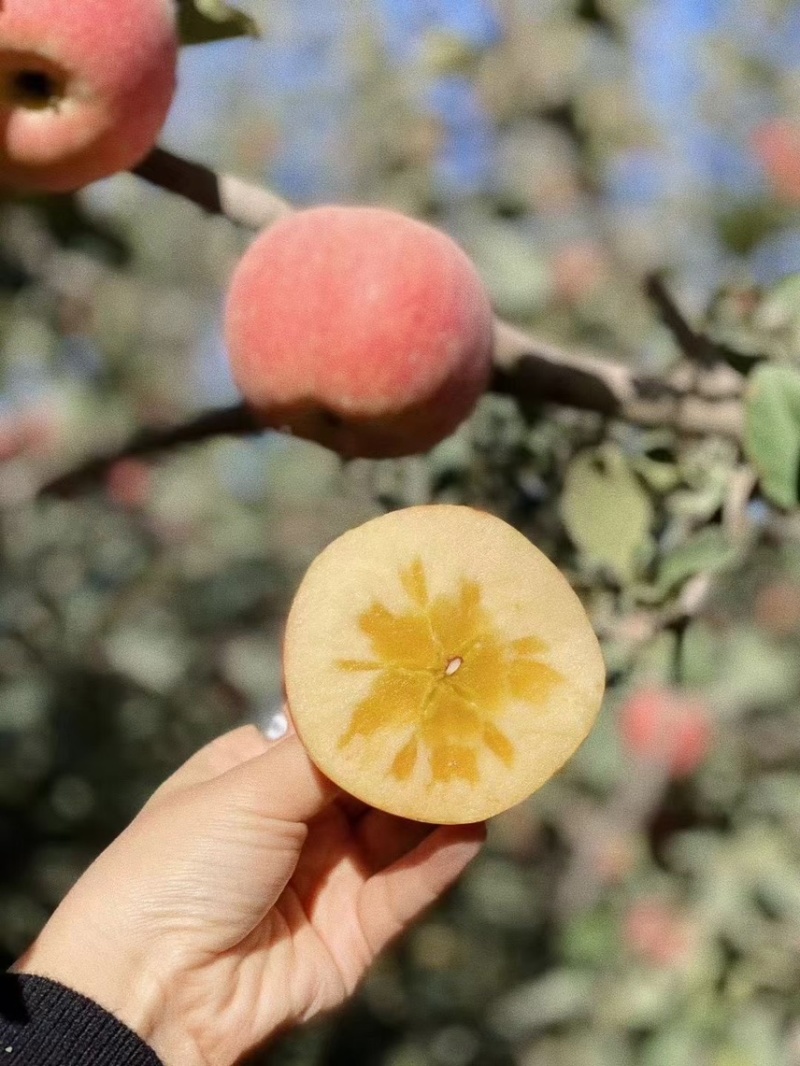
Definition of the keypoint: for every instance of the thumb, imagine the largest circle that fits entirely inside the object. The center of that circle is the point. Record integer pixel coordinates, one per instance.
(281, 784)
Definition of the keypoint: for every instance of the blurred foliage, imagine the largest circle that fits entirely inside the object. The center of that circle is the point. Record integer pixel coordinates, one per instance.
(626, 914)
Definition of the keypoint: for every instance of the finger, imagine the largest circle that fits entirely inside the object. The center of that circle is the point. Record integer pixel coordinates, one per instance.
(391, 900)
(282, 784)
(385, 838)
(215, 758)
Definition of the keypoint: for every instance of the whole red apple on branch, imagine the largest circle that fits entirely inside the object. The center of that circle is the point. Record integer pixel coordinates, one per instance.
(85, 88)
(360, 328)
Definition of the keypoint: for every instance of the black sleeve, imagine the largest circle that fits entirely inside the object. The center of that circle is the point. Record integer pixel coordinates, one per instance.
(42, 1023)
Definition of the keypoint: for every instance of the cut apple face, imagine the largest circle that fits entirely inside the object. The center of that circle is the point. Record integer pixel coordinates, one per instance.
(438, 666)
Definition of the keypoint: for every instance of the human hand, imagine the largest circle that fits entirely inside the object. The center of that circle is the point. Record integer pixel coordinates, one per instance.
(247, 896)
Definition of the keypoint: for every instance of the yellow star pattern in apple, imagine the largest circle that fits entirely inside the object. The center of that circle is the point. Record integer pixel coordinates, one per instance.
(443, 668)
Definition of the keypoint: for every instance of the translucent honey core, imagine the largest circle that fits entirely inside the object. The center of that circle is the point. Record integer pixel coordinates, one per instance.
(444, 672)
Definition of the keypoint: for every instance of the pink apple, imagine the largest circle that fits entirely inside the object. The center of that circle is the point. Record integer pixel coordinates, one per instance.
(85, 87)
(360, 328)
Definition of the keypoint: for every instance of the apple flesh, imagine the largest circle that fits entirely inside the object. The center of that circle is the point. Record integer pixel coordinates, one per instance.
(359, 328)
(438, 666)
(85, 87)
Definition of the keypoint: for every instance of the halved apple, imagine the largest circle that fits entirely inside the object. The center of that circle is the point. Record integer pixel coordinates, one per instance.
(438, 666)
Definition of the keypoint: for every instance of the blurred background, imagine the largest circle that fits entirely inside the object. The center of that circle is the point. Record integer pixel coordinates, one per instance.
(644, 907)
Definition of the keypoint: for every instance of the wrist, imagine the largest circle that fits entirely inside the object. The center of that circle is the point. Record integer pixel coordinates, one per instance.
(135, 995)
(172, 1043)
(50, 1024)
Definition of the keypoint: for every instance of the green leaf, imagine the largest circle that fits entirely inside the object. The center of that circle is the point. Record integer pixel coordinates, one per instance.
(772, 431)
(591, 938)
(752, 671)
(708, 551)
(517, 276)
(661, 477)
(445, 52)
(746, 225)
(778, 316)
(641, 999)
(560, 996)
(205, 21)
(673, 1045)
(606, 511)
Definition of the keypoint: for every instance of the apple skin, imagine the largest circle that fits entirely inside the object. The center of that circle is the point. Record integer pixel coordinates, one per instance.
(360, 328)
(661, 725)
(85, 87)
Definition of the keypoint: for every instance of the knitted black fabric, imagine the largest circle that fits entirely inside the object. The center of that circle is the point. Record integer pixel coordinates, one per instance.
(42, 1023)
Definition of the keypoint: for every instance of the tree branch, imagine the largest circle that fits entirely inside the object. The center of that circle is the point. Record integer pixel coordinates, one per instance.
(533, 373)
(529, 369)
(533, 370)
(219, 194)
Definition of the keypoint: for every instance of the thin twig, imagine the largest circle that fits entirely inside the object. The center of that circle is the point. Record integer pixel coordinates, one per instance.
(237, 421)
(695, 346)
(699, 348)
(533, 374)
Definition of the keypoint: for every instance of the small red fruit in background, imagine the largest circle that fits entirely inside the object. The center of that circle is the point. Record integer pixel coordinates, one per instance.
(360, 328)
(85, 87)
(14, 437)
(665, 726)
(657, 932)
(579, 269)
(33, 433)
(128, 483)
(777, 145)
(777, 607)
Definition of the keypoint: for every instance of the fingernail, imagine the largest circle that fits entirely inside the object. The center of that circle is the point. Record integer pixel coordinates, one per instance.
(273, 723)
